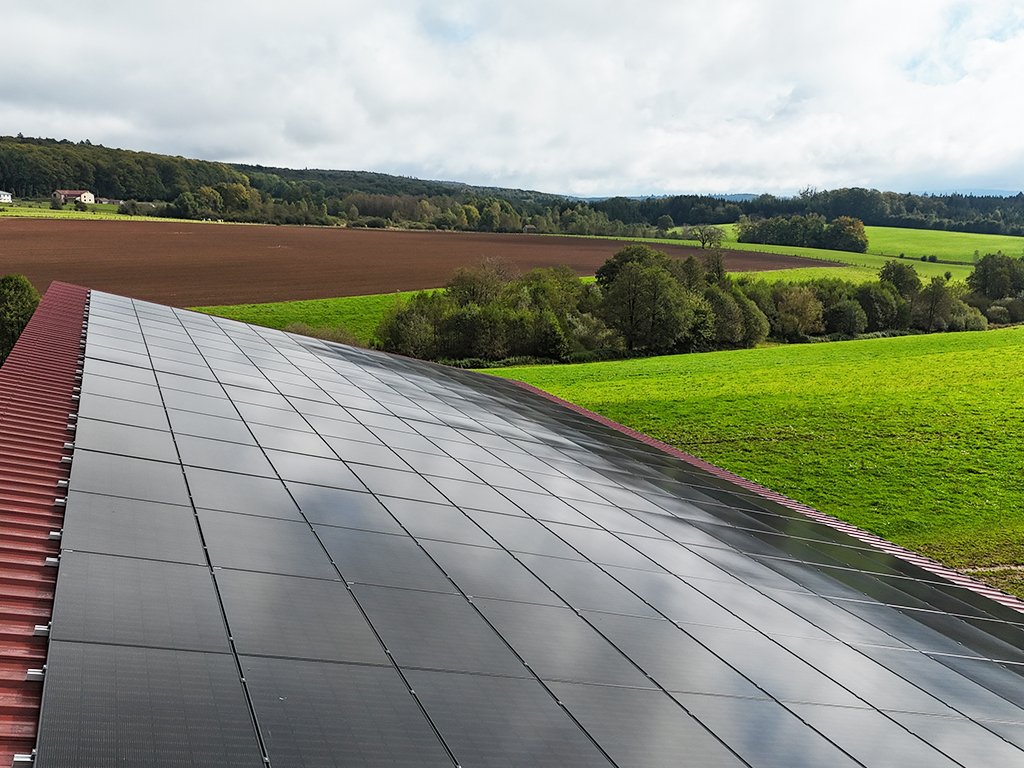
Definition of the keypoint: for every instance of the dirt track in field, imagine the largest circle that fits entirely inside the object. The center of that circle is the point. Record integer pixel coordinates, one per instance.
(200, 264)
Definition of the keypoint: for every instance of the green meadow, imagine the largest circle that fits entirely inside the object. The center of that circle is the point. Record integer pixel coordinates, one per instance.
(915, 438)
(359, 315)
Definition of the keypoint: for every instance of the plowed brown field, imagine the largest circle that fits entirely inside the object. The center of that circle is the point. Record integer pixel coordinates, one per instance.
(200, 264)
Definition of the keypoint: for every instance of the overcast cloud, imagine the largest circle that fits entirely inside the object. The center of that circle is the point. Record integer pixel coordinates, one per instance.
(586, 98)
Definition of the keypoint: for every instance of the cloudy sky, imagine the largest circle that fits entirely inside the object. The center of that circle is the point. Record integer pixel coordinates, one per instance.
(590, 97)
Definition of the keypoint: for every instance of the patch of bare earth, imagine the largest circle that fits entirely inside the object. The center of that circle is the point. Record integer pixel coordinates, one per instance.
(201, 264)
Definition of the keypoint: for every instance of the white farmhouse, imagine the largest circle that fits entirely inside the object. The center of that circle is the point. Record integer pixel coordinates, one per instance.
(74, 196)
(6, 197)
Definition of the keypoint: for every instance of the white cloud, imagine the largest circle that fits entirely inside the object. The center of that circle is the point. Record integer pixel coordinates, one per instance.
(575, 97)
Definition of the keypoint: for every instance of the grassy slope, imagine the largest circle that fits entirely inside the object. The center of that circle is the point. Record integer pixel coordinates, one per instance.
(915, 438)
(952, 246)
(360, 315)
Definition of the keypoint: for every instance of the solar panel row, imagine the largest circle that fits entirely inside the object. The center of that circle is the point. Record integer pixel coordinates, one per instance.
(278, 548)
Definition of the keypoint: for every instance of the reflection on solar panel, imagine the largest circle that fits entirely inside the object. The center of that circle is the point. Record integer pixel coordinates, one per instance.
(283, 551)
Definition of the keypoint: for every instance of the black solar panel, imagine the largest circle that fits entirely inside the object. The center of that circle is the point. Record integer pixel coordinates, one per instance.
(283, 551)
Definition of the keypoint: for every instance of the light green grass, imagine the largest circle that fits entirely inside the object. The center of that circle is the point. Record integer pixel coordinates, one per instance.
(804, 274)
(947, 246)
(914, 438)
(871, 261)
(359, 315)
(868, 264)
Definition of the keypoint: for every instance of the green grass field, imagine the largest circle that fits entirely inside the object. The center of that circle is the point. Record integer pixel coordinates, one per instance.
(948, 246)
(914, 438)
(359, 315)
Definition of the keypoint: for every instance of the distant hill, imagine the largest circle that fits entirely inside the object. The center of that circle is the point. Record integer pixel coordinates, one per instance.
(340, 183)
(201, 189)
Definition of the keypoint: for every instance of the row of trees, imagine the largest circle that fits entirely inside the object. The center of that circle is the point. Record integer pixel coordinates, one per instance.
(991, 214)
(843, 233)
(35, 167)
(644, 302)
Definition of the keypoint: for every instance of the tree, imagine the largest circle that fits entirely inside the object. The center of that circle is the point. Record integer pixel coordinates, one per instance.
(846, 318)
(755, 323)
(997, 276)
(902, 277)
(480, 284)
(643, 255)
(708, 235)
(846, 233)
(934, 307)
(647, 306)
(18, 300)
(798, 311)
(729, 329)
(665, 223)
(880, 303)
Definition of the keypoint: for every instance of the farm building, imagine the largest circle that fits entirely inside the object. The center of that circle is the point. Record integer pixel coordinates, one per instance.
(275, 550)
(6, 197)
(74, 195)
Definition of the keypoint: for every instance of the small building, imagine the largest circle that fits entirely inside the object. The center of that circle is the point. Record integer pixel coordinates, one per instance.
(6, 197)
(109, 201)
(73, 196)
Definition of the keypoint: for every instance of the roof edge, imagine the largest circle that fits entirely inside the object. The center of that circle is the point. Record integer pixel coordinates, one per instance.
(38, 383)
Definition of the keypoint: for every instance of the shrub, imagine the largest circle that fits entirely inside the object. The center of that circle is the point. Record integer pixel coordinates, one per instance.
(998, 314)
(18, 300)
(845, 318)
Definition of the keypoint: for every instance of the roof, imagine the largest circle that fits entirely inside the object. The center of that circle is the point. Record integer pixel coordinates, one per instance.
(72, 191)
(278, 550)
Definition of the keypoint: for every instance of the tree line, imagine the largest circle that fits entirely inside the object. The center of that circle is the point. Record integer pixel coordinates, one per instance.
(986, 214)
(644, 302)
(33, 168)
(843, 233)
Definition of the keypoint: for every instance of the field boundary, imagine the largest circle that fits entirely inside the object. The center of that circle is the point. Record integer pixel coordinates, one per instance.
(934, 567)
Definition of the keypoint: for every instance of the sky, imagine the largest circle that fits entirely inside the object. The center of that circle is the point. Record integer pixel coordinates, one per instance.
(591, 98)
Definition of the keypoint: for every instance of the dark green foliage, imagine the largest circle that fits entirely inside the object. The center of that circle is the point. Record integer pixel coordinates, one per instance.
(18, 300)
(647, 306)
(987, 214)
(689, 273)
(845, 318)
(934, 306)
(729, 327)
(880, 302)
(997, 276)
(998, 314)
(902, 277)
(755, 322)
(844, 233)
(641, 255)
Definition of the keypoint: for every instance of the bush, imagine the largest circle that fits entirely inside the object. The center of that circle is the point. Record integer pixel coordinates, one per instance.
(845, 318)
(18, 300)
(998, 314)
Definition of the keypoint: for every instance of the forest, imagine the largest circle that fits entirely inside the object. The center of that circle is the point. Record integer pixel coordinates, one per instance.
(198, 189)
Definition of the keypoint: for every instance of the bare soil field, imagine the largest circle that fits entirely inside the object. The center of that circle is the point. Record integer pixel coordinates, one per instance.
(200, 264)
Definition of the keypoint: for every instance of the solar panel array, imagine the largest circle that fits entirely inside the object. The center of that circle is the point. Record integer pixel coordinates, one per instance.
(280, 550)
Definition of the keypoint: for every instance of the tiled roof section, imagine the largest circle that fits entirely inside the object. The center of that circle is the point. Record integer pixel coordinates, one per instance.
(280, 550)
(37, 384)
